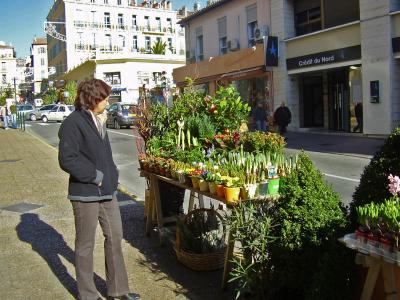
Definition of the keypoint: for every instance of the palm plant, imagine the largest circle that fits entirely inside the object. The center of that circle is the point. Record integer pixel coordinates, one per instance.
(159, 47)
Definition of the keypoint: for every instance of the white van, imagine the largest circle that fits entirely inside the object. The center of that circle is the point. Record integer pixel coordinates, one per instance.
(38, 102)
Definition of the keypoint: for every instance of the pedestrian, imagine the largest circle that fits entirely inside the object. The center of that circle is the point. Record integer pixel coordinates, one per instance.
(282, 117)
(260, 117)
(5, 116)
(358, 112)
(85, 153)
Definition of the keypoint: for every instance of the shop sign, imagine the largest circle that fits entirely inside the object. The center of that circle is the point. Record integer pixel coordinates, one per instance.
(271, 51)
(396, 44)
(322, 58)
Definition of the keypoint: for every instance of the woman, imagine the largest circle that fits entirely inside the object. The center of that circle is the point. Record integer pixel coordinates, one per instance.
(85, 154)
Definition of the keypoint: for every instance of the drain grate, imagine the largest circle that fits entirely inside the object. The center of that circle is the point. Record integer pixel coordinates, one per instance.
(21, 207)
(9, 160)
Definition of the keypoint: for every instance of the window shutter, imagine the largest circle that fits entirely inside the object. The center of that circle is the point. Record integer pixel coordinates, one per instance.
(222, 27)
(251, 12)
(199, 31)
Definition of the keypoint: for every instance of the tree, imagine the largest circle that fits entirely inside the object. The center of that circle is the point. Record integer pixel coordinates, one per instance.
(159, 47)
(50, 97)
(72, 88)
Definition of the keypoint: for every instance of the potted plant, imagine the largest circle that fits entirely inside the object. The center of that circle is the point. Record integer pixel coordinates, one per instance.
(203, 184)
(231, 189)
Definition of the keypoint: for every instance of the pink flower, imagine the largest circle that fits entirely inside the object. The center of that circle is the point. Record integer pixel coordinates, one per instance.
(394, 184)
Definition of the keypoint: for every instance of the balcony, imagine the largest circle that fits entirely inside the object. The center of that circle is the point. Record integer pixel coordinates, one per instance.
(144, 29)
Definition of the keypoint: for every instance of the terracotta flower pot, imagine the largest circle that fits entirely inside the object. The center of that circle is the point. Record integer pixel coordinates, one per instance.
(212, 186)
(203, 185)
(232, 194)
(220, 191)
(195, 182)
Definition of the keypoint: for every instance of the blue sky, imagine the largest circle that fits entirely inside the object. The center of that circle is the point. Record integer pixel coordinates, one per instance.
(22, 20)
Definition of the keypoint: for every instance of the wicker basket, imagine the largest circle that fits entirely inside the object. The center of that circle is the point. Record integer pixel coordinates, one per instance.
(199, 262)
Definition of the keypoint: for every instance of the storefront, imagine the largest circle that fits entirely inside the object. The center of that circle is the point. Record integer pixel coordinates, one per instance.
(329, 88)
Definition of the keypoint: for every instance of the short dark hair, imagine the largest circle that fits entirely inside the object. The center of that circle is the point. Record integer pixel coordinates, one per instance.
(90, 92)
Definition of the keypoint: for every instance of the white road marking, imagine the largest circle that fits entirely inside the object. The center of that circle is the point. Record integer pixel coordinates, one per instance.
(121, 133)
(341, 177)
(43, 124)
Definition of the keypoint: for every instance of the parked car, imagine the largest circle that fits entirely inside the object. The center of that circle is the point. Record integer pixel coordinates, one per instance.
(122, 114)
(38, 113)
(25, 109)
(58, 113)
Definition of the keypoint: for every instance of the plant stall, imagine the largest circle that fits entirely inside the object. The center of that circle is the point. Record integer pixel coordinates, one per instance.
(280, 209)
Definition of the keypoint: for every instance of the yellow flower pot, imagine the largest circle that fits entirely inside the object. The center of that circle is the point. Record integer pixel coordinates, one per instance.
(203, 185)
(232, 194)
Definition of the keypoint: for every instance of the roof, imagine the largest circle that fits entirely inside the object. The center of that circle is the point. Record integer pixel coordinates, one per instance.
(39, 41)
(202, 11)
(6, 47)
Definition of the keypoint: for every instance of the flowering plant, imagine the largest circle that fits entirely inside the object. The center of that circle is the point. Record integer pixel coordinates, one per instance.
(394, 185)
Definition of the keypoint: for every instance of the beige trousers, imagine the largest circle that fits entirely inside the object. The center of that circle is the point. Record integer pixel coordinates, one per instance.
(87, 216)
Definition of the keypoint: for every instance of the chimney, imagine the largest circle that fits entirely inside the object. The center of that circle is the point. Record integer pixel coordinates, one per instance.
(169, 5)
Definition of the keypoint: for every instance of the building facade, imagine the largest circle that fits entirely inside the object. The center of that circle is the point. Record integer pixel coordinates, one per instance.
(8, 66)
(334, 56)
(117, 29)
(38, 65)
(224, 45)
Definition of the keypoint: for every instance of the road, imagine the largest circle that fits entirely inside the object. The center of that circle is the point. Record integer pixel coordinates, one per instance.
(340, 158)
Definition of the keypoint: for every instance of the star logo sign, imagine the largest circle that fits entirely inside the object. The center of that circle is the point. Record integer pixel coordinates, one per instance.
(273, 50)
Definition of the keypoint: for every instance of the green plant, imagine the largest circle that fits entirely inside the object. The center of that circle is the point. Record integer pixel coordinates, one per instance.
(159, 47)
(310, 219)
(251, 225)
(228, 109)
(50, 97)
(72, 88)
(374, 180)
(200, 126)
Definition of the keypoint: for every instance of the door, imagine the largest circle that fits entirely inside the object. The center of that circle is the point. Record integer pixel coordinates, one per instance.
(339, 109)
(61, 113)
(313, 105)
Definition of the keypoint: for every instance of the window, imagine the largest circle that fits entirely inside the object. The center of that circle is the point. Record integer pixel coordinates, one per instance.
(170, 45)
(112, 78)
(94, 40)
(108, 41)
(105, 1)
(42, 74)
(199, 44)
(120, 21)
(121, 40)
(147, 21)
(134, 42)
(222, 36)
(93, 16)
(61, 109)
(3, 65)
(158, 21)
(134, 22)
(42, 50)
(42, 62)
(308, 21)
(3, 78)
(92, 1)
(147, 43)
(169, 21)
(158, 39)
(251, 12)
(107, 20)
(119, 2)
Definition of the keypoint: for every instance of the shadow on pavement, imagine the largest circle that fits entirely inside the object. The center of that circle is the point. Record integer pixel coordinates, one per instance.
(50, 244)
(334, 144)
(161, 260)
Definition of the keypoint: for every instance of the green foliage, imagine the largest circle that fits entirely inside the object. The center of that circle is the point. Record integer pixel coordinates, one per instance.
(72, 88)
(260, 141)
(200, 126)
(159, 119)
(13, 109)
(311, 219)
(230, 111)
(50, 97)
(373, 185)
(252, 227)
(159, 47)
(2, 100)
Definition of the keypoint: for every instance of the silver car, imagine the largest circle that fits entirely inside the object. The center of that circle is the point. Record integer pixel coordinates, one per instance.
(38, 113)
(25, 109)
(58, 113)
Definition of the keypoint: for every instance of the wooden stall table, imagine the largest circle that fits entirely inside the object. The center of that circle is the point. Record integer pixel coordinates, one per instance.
(155, 205)
(375, 264)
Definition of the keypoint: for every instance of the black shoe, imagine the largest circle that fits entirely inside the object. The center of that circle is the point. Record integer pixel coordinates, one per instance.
(130, 296)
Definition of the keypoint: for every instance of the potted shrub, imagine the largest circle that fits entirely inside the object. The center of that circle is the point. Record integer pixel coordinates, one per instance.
(231, 189)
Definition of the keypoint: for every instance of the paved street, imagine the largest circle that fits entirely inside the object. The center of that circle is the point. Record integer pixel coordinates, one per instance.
(37, 235)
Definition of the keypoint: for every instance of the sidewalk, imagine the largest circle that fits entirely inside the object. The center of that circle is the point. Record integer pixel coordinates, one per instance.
(37, 235)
